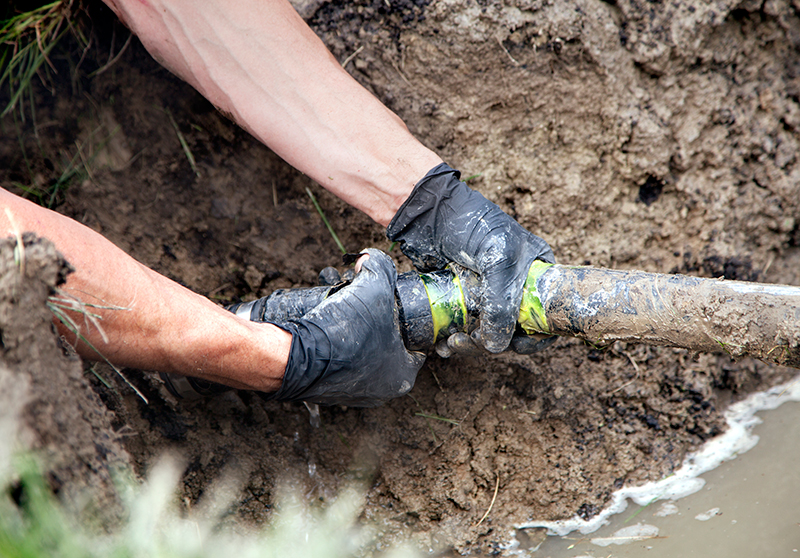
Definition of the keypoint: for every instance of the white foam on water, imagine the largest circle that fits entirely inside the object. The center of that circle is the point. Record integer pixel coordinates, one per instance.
(738, 438)
(666, 509)
(705, 516)
(626, 535)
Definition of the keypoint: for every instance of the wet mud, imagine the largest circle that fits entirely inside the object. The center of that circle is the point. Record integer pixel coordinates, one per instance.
(628, 138)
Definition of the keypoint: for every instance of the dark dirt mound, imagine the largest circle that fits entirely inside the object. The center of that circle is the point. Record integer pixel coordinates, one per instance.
(626, 135)
(46, 402)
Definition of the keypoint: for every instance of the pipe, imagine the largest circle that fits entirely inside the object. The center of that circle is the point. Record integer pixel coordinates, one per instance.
(598, 305)
(602, 306)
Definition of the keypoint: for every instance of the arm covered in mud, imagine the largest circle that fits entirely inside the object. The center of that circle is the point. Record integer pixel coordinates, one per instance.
(259, 63)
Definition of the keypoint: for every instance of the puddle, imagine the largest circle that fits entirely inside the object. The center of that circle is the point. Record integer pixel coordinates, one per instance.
(714, 505)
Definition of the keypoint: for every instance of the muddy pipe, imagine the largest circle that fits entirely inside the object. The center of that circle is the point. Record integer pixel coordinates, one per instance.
(704, 315)
(598, 305)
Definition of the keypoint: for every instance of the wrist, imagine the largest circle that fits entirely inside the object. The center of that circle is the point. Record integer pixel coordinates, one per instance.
(398, 182)
(265, 368)
(229, 350)
(379, 186)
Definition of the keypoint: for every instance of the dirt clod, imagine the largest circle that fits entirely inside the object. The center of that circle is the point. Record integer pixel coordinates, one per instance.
(45, 399)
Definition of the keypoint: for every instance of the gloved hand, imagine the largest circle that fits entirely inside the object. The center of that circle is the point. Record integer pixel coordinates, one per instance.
(444, 220)
(348, 350)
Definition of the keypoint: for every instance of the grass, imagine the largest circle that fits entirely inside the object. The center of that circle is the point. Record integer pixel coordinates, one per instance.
(184, 144)
(62, 304)
(34, 524)
(26, 40)
(325, 220)
(73, 168)
(50, 195)
(491, 504)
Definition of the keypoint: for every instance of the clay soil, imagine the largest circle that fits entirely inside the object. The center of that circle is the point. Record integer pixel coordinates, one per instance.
(628, 134)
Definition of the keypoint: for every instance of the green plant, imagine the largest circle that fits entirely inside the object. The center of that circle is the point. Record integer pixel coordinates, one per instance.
(63, 306)
(325, 220)
(36, 525)
(184, 144)
(49, 195)
(26, 40)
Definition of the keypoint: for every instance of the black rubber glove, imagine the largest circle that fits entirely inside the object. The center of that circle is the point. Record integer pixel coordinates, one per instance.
(444, 220)
(348, 350)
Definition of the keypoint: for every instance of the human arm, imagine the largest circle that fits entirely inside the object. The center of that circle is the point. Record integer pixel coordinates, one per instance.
(152, 323)
(348, 350)
(259, 63)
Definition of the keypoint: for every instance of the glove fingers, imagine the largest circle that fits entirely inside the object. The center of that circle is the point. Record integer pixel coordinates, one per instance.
(348, 350)
(442, 349)
(539, 247)
(378, 264)
(458, 343)
(503, 283)
(329, 277)
(527, 345)
(499, 311)
(415, 360)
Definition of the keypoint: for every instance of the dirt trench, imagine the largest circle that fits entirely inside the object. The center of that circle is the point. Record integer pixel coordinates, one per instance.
(628, 134)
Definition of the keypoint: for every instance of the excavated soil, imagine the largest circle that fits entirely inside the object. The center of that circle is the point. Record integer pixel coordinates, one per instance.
(629, 134)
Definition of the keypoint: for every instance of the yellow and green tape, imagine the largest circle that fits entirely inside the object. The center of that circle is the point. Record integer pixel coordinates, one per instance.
(531, 312)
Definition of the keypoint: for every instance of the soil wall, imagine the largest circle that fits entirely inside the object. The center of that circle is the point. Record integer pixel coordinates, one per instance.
(642, 135)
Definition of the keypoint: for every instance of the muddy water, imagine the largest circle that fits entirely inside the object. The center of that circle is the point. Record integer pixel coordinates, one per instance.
(747, 506)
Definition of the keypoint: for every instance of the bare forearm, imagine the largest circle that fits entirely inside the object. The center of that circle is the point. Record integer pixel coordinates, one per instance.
(260, 63)
(149, 321)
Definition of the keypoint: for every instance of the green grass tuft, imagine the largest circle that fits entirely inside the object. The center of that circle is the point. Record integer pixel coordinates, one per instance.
(26, 40)
(33, 524)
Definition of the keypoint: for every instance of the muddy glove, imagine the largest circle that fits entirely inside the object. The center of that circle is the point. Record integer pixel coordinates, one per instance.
(348, 350)
(444, 220)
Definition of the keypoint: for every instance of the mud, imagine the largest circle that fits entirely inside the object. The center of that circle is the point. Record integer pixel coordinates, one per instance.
(628, 135)
(46, 401)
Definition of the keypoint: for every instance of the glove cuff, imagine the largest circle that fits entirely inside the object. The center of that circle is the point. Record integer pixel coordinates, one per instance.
(415, 223)
(309, 357)
(420, 200)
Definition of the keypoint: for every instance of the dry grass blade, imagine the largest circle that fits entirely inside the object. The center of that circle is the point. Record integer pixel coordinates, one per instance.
(491, 504)
(513, 60)
(437, 417)
(352, 56)
(113, 60)
(635, 367)
(62, 303)
(69, 303)
(19, 249)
